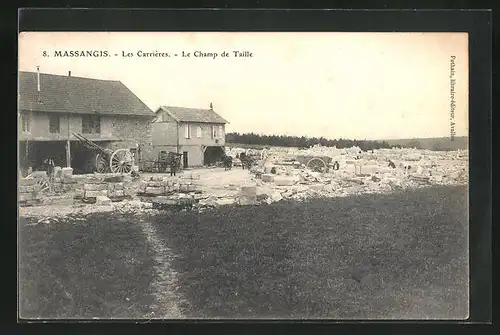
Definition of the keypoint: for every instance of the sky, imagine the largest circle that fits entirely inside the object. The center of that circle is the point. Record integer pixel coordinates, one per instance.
(335, 85)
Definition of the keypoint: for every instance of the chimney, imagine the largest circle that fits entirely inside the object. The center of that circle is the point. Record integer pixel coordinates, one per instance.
(211, 106)
(38, 78)
(69, 73)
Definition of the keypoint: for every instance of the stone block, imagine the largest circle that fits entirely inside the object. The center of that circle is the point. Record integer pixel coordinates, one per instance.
(26, 196)
(276, 196)
(114, 179)
(57, 171)
(224, 201)
(317, 187)
(27, 188)
(95, 187)
(191, 188)
(155, 190)
(79, 193)
(103, 200)
(66, 172)
(156, 184)
(95, 194)
(250, 191)
(268, 178)
(68, 180)
(118, 186)
(119, 193)
(93, 179)
(27, 182)
(247, 200)
(33, 202)
(128, 192)
(284, 180)
(369, 169)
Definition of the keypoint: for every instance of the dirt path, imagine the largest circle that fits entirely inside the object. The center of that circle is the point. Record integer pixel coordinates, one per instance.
(165, 286)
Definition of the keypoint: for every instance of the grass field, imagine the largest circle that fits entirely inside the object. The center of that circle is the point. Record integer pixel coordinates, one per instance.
(372, 256)
(99, 267)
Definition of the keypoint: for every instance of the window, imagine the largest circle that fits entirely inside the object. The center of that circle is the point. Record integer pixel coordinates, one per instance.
(199, 132)
(187, 133)
(91, 124)
(221, 132)
(26, 121)
(214, 131)
(54, 124)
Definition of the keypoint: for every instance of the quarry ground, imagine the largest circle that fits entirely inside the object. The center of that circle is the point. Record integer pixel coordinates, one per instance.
(398, 255)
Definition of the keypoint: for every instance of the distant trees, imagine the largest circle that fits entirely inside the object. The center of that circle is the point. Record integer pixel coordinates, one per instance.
(303, 141)
(413, 144)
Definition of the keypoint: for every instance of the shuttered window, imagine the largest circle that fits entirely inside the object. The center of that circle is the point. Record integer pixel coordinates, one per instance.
(91, 124)
(199, 132)
(186, 131)
(26, 121)
(54, 124)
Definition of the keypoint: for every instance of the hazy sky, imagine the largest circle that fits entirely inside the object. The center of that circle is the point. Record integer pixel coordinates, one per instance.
(349, 85)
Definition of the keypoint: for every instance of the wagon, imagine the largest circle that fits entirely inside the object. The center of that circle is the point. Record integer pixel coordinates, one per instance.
(315, 163)
(107, 160)
(41, 179)
(163, 162)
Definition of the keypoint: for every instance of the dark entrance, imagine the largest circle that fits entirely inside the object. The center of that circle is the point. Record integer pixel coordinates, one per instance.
(212, 155)
(185, 159)
(33, 153)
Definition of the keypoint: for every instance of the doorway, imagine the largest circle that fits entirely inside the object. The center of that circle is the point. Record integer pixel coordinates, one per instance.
(212, 155)
(185, 159)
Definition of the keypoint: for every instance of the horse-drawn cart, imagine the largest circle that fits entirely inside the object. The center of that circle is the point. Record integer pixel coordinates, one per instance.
(164, 162)
(315, 163)
(107, 160)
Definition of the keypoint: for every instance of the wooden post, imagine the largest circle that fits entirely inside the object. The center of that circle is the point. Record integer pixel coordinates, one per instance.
(68, 145)
(178, 146)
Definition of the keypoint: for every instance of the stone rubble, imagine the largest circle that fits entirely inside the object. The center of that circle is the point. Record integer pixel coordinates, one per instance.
(274, 178)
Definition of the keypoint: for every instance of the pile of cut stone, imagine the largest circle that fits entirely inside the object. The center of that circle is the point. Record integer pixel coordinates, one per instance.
(102, 189)
(170, 192)
(29, 192)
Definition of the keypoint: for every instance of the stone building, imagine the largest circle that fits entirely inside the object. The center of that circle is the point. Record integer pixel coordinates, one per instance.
(199, 134)
(52, 107)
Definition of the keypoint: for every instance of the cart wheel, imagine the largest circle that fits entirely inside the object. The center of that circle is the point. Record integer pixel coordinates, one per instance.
(121, 161)
(162, 167)
(102, 166)
(40, 181)
(317, 165)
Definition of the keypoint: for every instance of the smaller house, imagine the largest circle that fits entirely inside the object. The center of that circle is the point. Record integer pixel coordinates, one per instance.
(199, 134)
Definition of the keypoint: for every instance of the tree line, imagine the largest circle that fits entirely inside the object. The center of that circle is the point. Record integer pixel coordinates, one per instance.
(303, 141)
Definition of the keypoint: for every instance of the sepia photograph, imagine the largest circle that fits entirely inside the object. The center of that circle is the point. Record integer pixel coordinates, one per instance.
(243, 175)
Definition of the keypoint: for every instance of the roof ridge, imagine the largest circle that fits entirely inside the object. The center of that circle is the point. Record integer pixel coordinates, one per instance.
(66, 76)
(207, 109)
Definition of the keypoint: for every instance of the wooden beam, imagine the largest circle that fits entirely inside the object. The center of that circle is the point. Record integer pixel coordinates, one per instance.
(68, 145)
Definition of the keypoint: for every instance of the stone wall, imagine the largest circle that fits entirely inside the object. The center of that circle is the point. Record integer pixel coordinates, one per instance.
(161, 186)
(131, 130)
(29, 192)
(114, 187)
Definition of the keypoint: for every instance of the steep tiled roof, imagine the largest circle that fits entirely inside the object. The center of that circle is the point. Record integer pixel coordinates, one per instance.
(63, 94)
(183, 114)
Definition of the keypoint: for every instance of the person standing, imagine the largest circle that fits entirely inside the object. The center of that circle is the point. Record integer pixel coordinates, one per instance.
(173, 165)
(49, 170)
